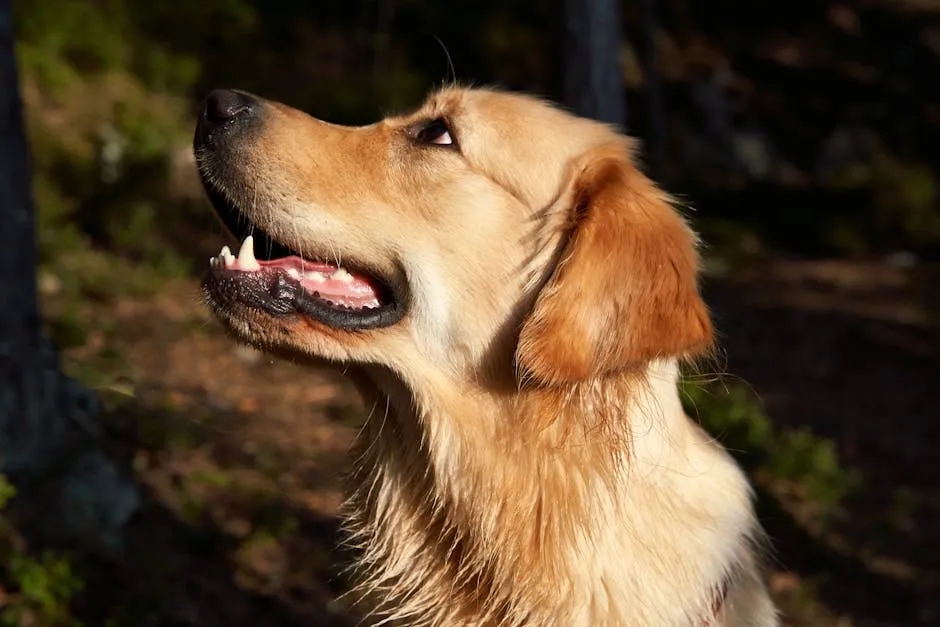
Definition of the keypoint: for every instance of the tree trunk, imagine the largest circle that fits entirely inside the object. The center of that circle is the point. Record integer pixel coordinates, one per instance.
(656, 145)
(46, 428)
(594, 84)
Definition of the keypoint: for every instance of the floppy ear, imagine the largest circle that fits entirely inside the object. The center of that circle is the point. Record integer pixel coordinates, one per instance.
(625, 290)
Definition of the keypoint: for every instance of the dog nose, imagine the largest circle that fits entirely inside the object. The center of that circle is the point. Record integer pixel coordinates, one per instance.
(225, 105)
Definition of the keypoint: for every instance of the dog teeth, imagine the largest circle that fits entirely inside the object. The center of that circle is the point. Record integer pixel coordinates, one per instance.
(342, 275)
(315, 277)
(226, 257)
(246, 255)
(293, 273)
(223, 260)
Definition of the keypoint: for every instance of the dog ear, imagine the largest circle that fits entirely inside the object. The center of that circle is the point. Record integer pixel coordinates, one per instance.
(625, 289)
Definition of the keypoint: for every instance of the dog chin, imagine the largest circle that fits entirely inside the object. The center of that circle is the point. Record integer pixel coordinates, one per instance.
(291, 337)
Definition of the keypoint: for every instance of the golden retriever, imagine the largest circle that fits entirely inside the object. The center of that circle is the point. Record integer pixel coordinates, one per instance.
(512, 296)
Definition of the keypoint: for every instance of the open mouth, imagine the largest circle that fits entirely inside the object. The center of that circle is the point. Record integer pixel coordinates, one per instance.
(283, 282)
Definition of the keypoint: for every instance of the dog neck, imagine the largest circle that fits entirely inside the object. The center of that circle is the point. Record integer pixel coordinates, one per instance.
(474, 508)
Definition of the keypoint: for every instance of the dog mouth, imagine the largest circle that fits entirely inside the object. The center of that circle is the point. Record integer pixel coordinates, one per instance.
(282, 282)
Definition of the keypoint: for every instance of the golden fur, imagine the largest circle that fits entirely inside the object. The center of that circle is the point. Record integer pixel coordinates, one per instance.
(527, 461)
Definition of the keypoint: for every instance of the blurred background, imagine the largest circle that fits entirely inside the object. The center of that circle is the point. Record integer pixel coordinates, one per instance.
(169, 478)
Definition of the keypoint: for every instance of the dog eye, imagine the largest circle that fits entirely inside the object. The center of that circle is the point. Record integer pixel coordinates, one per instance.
(435, 132)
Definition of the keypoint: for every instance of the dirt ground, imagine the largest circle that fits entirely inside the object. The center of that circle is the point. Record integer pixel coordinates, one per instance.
(240, 458)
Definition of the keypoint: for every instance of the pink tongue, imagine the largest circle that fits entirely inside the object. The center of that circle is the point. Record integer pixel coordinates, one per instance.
(328, 282)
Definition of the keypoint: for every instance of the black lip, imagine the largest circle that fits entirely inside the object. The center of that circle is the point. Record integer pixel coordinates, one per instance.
(276, 293)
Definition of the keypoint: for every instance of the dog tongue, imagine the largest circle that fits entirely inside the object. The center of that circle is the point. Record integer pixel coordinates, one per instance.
(323, 280)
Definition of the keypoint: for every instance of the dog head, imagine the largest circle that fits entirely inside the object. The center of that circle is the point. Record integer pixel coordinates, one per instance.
(484, 231)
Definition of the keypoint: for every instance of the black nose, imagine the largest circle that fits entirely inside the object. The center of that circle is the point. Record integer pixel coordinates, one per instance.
(224, 105)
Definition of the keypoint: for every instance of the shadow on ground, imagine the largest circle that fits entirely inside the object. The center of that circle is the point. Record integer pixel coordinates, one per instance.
(218, 541)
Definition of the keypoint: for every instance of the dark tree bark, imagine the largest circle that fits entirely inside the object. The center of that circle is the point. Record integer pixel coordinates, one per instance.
(657, 133)
(46, 427)
(594, 84)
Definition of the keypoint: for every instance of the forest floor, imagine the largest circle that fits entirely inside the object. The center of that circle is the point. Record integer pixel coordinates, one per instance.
(239, 457)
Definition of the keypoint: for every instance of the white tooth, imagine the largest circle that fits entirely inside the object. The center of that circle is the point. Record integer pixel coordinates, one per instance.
(213, 262)
(246, 255)
(342, 275)
(226, 257)
(293, 273)
(316, 277)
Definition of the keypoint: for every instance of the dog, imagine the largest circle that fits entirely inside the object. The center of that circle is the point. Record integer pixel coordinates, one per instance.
(513, 297)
